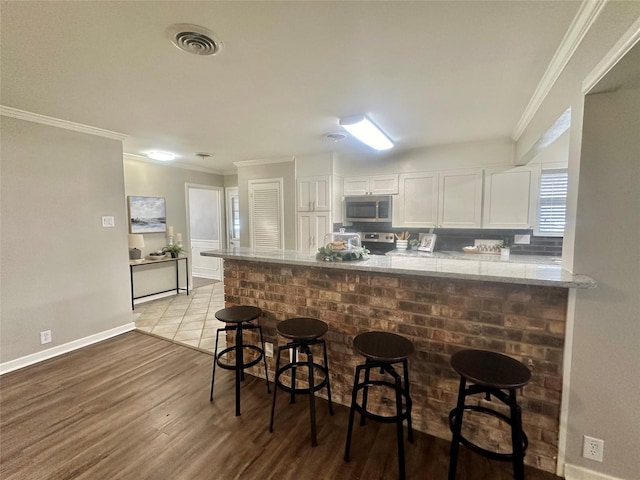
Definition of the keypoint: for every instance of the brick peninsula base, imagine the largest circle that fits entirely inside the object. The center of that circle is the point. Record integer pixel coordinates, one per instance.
(440, 316)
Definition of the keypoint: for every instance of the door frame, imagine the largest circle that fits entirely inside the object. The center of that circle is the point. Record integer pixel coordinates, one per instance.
(221, 215)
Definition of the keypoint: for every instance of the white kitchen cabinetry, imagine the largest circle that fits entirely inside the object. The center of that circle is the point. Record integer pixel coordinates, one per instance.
(510, 197)
(313, 194)
(371, 185)
(460, 199)
(416, 205)
(312, 227)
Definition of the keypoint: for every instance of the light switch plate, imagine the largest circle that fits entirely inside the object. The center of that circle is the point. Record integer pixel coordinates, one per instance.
(108, 221)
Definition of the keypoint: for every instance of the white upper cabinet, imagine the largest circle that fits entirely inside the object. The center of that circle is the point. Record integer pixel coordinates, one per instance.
(510, 197)
(416, 205)
(371, 185)
(460, 199)
(314, 193)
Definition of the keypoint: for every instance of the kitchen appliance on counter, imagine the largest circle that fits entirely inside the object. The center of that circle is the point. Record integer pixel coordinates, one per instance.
(378, 243)
(368, 208)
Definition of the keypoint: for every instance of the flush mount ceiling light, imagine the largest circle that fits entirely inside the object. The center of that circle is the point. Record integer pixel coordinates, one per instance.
(366, 131)
(161, 156)
(194, 39)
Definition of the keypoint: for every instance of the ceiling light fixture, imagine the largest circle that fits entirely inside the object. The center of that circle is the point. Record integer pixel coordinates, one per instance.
(366, 131)
(336, 137)
(161, 156)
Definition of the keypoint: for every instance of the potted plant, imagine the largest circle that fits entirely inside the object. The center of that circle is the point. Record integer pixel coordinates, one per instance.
(174, 250)
(414, 243)
(505, 248)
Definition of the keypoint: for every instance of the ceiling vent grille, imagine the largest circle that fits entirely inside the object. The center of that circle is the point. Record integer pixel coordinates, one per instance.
(194, 39)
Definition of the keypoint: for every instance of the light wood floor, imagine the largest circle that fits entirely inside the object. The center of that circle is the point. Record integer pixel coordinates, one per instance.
(137, 407)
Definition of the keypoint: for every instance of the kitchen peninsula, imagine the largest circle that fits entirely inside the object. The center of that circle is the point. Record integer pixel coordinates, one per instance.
(442, 305)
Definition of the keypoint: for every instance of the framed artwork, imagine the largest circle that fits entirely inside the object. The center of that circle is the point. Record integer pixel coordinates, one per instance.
(428, 242)
(147, 214)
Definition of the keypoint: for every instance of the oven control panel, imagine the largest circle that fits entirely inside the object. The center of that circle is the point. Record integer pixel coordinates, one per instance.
(377, 237)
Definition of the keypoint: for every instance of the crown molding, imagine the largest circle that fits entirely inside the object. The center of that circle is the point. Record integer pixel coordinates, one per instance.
(619, 50)
(56, 122)
(582, 22)
(174, 163)
(264, 161)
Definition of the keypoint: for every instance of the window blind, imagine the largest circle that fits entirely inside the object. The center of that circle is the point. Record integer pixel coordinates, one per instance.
(553, 202)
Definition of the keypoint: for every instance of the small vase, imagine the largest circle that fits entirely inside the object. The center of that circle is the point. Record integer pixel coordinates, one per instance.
(174, 255)
(402, 244)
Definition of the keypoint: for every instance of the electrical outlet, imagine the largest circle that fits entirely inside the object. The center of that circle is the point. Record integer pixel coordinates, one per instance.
(522, 239)
(268, 349)
(45, 337)
(593, 448)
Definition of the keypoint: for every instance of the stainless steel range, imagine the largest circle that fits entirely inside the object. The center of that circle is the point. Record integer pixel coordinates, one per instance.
(378, 243)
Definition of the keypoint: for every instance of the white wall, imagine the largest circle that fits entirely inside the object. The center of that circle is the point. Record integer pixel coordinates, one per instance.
(441, 157)
(155, 180)
(601, 392)
(605, 386)
(61, 270)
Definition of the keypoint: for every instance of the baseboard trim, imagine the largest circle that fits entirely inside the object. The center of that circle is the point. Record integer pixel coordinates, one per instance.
(573, 472)
(25, 361)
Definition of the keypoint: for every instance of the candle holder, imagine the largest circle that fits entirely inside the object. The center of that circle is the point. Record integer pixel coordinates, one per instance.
(169, 239)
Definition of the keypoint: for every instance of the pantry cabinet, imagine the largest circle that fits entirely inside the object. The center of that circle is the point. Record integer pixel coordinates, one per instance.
(371, 185)
(313, 194)
(416, 205)
(312, 228)
(510, 197)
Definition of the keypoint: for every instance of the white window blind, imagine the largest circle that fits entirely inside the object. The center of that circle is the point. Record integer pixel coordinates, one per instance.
(553, 202)
(266, 212)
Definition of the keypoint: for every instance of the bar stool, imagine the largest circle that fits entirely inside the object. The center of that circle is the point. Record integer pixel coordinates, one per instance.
(238, 319)
(303, 333)
(494, 375)
(382, 350)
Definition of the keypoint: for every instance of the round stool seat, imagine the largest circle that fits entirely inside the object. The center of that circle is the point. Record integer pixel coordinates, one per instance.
(490, 369)
(239, 314)
(302, 328)
(382, 346)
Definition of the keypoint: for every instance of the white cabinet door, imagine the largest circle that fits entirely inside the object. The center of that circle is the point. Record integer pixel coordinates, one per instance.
(312, 228)
(460, 199)
(356, 186)
(371, 185)
(510, 197)
(417, 202)
(313, 193)
(383, 184)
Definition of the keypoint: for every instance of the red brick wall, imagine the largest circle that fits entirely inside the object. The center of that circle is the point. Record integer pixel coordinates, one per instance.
(440, 317)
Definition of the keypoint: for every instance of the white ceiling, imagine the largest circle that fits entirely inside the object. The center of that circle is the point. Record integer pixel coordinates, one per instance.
(427, 72)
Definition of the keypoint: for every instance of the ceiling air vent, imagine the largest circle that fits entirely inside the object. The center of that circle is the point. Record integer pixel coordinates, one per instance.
(194, 39)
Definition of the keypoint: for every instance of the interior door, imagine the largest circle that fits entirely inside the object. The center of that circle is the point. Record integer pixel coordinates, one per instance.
(205, 213)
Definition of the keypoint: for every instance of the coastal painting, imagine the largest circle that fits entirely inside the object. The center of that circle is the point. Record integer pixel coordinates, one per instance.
(147, 215)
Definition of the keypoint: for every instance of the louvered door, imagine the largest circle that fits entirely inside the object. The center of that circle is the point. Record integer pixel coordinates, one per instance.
(266, 213)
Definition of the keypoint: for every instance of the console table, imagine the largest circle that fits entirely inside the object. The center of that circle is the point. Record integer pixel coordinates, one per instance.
(165, 262)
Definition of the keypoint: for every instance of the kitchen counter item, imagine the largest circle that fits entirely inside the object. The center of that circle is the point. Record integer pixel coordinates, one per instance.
(343, 242)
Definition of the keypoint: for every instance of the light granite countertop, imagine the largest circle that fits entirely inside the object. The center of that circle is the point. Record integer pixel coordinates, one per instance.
(536, 272)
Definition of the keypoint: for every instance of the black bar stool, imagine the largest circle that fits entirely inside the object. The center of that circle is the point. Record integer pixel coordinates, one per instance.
(382, 350)
(494, 375)
(237, 319)
(303, 333)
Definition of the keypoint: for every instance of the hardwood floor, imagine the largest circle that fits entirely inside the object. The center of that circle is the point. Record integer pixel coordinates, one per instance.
(137, 407)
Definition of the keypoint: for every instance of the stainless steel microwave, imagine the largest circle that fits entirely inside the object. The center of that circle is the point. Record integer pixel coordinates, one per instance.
(368, 208)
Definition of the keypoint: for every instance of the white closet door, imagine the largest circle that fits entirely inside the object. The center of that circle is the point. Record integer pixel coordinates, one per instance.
(266, 214)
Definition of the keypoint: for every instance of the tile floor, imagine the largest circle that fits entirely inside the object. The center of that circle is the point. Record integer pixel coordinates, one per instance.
(185, 319)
